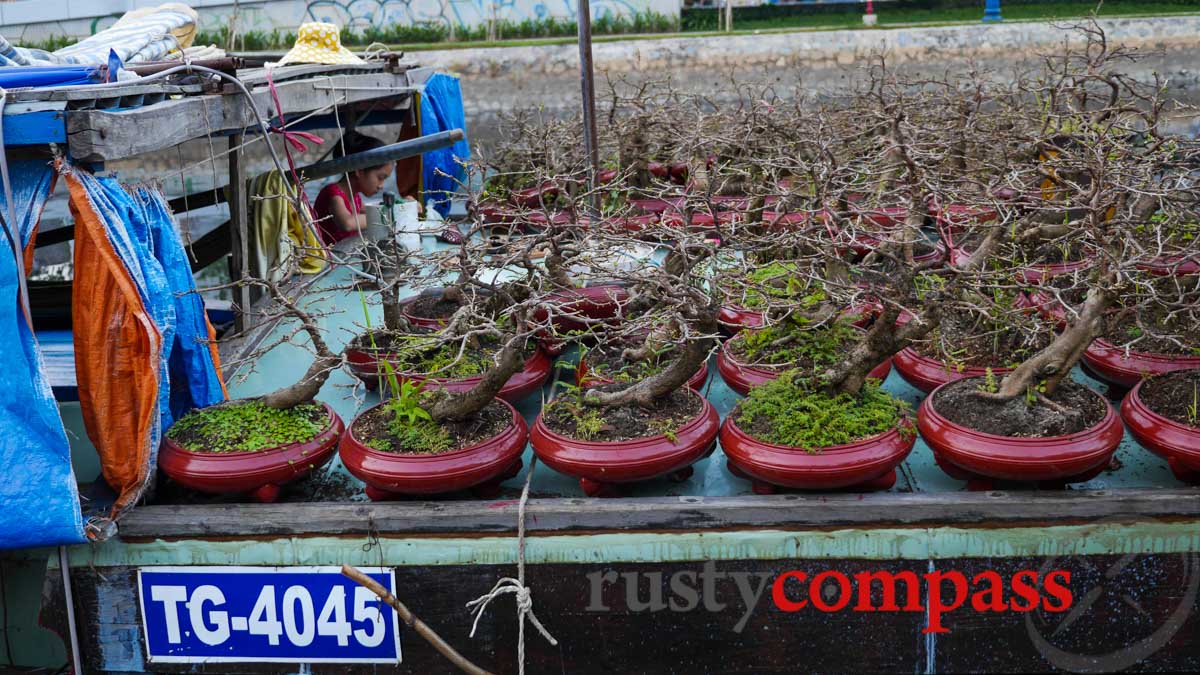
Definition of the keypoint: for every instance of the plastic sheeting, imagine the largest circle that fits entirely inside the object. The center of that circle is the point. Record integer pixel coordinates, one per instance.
(147, 34)
(192, 361)
(39, 499)
(442, 110)
(142, 355)
(15, 77)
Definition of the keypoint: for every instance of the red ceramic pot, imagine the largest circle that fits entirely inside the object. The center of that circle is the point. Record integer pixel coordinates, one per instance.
(529, 379)
(868, 464)
(481, 467)
(573, 307)
(703, 221)
(954, 218)
(259, 473)
(928, 374)
(657, 206)
(734, 318)
(742, 377)
(967, 454)
(535, 196)
(1109, 363)
(421, 321)
(1177, 265)
(695, 382)
(1046, 305)
(1177, 443)
(606, 176)
(1035, 274)
(679, 172)
(658, 169)
(600, 466)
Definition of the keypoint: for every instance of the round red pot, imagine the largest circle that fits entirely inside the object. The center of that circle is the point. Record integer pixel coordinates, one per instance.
(1177, 443)
(954, 218)
(1035, 274)
(1177, 265)
(366, 366)
(928, 374)
(966, 454)
(742, 378)
(599, 466)
(735, 318)
(1046, 305)
(695, 382)
(421, 321)
(260, 473)
(869, 463)
(573, 307)
(534, 196)
(482, 466)
(1109, 363)
(657, 206)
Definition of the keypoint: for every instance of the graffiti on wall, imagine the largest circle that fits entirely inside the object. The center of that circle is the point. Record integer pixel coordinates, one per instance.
(360, 14)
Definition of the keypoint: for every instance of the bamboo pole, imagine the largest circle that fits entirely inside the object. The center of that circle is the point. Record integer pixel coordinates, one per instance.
(413, 622)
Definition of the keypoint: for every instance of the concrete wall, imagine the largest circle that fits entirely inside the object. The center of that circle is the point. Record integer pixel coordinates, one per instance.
(495, 80)
(38, 19)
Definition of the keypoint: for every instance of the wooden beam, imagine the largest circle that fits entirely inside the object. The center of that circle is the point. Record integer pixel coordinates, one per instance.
(549, 516)
(102, 135)
(239, 219)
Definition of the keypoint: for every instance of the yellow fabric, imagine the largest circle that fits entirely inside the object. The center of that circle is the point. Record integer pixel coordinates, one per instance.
(319, 43)
(278, 232)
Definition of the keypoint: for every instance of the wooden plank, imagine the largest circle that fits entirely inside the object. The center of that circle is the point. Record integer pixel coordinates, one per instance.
(102, 135)
(85, 92)
(239, 218)
(663, 513)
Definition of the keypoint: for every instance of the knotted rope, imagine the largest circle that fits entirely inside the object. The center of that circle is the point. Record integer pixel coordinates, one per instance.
(517, 586)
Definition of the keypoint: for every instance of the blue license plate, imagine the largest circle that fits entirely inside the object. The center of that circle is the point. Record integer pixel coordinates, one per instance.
(266, 614)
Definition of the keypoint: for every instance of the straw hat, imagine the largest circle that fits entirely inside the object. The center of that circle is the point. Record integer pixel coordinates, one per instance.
(319, 43)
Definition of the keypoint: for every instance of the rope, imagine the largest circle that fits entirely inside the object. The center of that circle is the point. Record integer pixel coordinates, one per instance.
(516, 586)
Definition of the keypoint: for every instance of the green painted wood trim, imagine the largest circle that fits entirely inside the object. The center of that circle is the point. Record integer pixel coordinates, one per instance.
(876, 544)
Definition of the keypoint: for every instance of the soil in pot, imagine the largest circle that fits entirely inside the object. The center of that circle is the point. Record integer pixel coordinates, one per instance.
(1174, 395)
(430, 354)
(433, 307)
(606, 363)
(247, 426)
(965, 339)
(794, 345)
(395, 427)
(568, 415)
(775, 282)
(1029, 253)
(1175, 334)
(960, 403)
(783, 412)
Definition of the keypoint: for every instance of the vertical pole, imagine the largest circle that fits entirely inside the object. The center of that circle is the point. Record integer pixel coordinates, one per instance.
(991, 11)
(728, 15)
(239, 228)
(869, 18)
(69, 602)
(584, 20)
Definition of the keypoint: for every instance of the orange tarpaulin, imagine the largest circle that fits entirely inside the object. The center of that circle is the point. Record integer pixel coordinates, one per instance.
(117, 355)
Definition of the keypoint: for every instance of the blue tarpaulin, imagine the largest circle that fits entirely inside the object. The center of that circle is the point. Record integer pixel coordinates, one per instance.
(39, 500)
(16, 77)
(128, 229)
(193, 375)
(442, 110)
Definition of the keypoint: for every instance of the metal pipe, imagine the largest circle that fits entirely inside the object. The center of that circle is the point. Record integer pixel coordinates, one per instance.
(69, 601)
(378, 156)
(584, 20)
